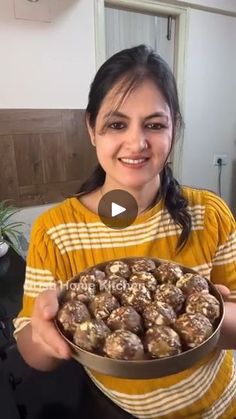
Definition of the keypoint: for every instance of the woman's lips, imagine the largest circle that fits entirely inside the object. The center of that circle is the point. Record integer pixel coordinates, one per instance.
(133, 162)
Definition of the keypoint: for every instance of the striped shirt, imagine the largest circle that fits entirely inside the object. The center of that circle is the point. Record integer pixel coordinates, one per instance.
(69, 238)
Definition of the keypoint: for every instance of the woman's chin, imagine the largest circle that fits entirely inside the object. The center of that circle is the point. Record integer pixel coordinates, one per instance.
(133, 185)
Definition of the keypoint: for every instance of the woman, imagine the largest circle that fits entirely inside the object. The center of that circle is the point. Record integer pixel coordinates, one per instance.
(133, 118)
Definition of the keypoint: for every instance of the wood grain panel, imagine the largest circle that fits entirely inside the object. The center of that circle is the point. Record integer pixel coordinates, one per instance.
(47, 154)
(80, 156)
(45, 194)
(28, 121)
(8, 173)
(28, 159)
(53, 157)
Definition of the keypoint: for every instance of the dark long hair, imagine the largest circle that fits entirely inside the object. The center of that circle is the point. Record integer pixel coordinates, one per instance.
(131, 67)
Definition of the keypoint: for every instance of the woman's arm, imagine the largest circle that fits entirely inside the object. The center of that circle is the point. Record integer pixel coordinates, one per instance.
(228, 330)
(222, 233)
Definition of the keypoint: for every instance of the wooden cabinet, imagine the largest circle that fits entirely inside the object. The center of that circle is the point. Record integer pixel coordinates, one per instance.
(45, 155)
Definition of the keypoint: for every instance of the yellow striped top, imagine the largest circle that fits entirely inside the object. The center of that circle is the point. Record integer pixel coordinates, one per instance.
(69, 238)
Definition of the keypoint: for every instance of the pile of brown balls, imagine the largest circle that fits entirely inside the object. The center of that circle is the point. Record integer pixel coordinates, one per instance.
(138, 309)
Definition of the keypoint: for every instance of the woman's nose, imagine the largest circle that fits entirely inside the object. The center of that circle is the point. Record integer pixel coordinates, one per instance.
(136, 141)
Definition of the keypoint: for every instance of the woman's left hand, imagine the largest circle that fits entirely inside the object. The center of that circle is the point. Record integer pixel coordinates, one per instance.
(227, 338)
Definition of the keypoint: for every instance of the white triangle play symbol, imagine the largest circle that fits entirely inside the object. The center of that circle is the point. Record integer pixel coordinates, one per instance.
(116, 209)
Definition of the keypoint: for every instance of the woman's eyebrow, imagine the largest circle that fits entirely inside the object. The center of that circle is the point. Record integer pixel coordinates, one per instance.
(157, 115)
(116, 114)
(122, 115)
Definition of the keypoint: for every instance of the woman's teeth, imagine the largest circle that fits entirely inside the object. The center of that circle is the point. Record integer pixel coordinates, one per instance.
(133, 161)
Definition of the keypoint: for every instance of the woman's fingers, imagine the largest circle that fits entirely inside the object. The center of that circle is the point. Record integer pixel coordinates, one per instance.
(223, 289)
(47, 304)
(44, 331)
(48, 336)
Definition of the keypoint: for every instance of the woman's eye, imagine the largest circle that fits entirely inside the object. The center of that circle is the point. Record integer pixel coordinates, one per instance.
(117, 125)
(155, 126)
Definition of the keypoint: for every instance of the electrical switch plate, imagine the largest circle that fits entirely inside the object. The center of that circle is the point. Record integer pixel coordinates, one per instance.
(38, 11)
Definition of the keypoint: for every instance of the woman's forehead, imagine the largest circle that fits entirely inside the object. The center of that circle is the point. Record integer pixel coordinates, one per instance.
(122, 97)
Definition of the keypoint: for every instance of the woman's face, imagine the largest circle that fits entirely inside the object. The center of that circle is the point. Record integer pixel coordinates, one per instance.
(134, 141)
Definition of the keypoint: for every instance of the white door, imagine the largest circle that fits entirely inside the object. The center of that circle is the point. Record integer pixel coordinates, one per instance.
(127, 28)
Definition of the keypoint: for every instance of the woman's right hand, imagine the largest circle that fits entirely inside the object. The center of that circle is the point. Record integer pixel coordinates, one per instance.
(44, 332)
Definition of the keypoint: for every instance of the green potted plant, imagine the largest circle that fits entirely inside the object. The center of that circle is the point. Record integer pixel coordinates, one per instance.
(9, 230)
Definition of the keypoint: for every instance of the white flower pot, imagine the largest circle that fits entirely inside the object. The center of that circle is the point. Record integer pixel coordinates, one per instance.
(3, 248)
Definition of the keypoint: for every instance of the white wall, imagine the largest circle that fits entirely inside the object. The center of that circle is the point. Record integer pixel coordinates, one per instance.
(47, 64)
(210, 104)
(227, 5)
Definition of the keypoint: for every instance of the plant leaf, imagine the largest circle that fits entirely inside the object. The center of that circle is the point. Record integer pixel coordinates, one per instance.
(5, 215)
(14, 225)
(12, 234)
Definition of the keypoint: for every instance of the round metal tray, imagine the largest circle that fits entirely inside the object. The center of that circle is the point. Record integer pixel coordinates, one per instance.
(150, 368)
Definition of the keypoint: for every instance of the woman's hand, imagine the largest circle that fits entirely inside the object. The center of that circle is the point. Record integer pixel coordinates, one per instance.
(44, 332)
(228, 330)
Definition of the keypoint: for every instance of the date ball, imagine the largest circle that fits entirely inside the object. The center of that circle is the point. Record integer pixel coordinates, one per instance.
(168, 273)
(142, 265)
(91, 334)
(75, 292)
(158, 314)
(205, 304)
(118, 267)
(89, 281)
(193, 328)
(71, 314)
(138, 298)
(115, 285)
(123, 344)
(125, 318)
(72, 291)
(93, 274)
(162, 341)
(102, 305)
(190, 283)
(170, 294)
(85, 286)
(144, 278)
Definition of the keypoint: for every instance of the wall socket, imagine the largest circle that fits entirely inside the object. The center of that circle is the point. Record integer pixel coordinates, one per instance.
(223, 157)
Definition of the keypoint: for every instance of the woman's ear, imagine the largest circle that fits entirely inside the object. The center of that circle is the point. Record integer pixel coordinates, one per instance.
(91, 130)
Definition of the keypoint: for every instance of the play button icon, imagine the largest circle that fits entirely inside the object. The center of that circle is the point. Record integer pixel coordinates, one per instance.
(117, 209)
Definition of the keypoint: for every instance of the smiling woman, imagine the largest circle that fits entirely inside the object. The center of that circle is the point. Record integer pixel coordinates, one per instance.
(133, 119)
